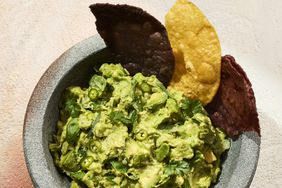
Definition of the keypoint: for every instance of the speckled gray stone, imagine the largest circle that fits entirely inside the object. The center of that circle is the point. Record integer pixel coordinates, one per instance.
(75, 67)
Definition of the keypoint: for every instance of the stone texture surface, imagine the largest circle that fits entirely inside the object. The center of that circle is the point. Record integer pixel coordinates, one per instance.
(34, 33)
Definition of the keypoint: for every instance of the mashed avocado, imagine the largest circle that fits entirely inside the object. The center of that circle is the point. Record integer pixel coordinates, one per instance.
(126, 131)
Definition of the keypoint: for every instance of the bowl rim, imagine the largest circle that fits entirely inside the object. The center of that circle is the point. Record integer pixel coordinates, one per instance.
(34, 118)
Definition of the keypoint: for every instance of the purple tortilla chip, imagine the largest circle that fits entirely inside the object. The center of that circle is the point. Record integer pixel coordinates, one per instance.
(137, 39)
(234, 107)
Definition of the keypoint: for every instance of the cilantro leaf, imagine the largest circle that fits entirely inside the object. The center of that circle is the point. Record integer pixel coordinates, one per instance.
(77, 175)
(69, 162)
(162, 152)
(69, 106)
(179, 168)
(133, 116)
(124, 170)
(117, 116)
(190, 107)
(73, 131)
(97, 86)
(98, 82)
(119, 166)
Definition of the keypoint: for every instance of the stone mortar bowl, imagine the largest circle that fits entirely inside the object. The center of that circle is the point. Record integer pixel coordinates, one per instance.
(75, 67)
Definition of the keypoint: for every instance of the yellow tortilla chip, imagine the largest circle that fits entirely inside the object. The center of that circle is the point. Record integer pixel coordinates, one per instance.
(197, 51)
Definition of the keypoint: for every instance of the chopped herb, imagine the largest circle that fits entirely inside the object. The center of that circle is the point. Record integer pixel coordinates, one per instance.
(117, 116)
(73, 131)
(77, 175)
(179, 168)
(190, 107)
(97, 119)
(119, 166)
(99, 83)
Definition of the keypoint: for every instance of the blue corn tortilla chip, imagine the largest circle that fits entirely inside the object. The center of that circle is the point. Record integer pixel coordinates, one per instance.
(138, 40)
(234, 107)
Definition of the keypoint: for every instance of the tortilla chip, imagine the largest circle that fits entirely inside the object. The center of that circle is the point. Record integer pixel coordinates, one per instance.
(234, 107)
(197, 51)
(138, 40)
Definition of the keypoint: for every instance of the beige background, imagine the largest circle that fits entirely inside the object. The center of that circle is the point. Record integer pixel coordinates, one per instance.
(33, 33)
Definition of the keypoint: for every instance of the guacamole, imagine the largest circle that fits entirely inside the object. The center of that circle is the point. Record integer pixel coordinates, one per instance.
(130, 131)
